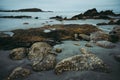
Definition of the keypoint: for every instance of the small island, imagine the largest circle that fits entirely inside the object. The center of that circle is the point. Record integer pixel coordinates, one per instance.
(25, 10)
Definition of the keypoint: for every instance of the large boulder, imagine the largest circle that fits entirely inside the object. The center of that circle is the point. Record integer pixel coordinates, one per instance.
(39, 50)
(105, 44)
(83, 62)
(98, 36)
(47, 63)
(115, 34)
(41, 56)
(18, 53)
(19, 73)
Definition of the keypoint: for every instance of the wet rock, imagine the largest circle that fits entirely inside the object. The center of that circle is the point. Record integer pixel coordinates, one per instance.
(18, 53)
(105, 44)
(117, 58)
(47, 63)
(41, 56)
(36, 17)
(115, 34)
(77, 44)
(2, 34)
(89, 44)
(99, 35)
(102, 23)
(58, 50)
(84, 62)
(25, 23)
(111, 22)
(84, 37)
(39, 50)
(60, 18)
(61, 32)
(19, 73)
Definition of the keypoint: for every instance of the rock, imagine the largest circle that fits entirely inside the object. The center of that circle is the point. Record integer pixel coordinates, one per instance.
(89, 44)
(91, 12)
(39, 50)
(77, 44)
(118, 22)
(105, 44)
(99, 35)
(25, 23)
(19, 73)
(117, 58)
(82, 62)
(76, 37)
(94, 14)
(18, 17)
(18, 53)
(107, 12)
(61, 32)
(41, 56)
(47, 63)
(84, 37)
(111, 22)
(115, 34)
(36, 17)
(2, 34)
(23, 10)
(102, 23)
(58, 50)
(57, 18)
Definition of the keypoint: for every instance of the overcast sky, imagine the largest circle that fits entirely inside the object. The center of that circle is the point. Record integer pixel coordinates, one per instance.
(60, 5)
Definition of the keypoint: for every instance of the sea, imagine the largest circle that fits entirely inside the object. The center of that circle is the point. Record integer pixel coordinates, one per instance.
(8, 24)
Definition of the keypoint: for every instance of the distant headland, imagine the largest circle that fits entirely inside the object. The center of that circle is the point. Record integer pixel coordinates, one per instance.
(25, 10)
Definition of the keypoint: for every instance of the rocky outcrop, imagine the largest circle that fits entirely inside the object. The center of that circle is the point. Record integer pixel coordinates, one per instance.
(60, 18)
(2, 34)
(94, 14)
(111, 22)
(99, 35)
(18, 17)
(19, 73)
(105, 44)
(23, 10)
(61, 32)
(18, 53)
(41, 56)
(115, 34)
(83, 62)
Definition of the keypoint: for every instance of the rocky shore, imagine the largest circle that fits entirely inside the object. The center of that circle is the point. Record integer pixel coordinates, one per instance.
(90, 14)
(51, 34)
(59, 51)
